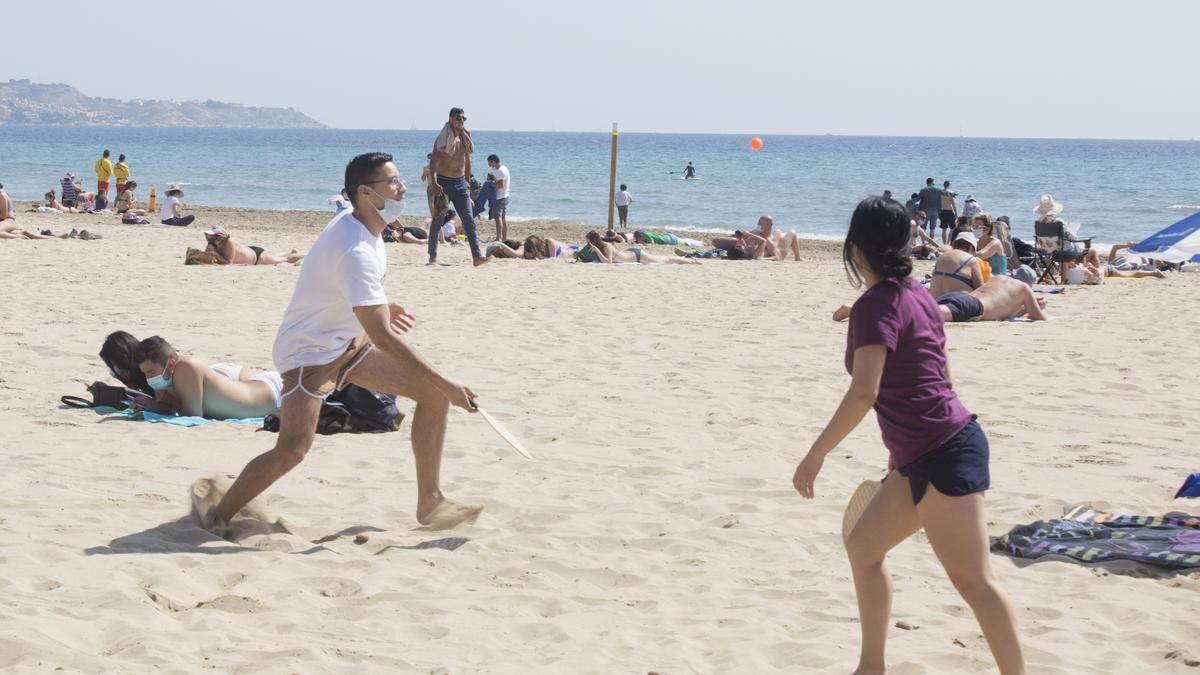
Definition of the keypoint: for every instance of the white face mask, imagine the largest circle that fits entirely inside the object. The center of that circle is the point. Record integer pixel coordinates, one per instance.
(161, 381)
(392, 208)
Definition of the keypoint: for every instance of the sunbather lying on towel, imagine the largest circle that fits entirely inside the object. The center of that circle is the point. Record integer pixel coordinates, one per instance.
(188, 386)
(596, 250)
(1000, 299)
(231, 252)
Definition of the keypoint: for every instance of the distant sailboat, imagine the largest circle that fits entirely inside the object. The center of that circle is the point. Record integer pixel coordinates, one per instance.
(960, 132)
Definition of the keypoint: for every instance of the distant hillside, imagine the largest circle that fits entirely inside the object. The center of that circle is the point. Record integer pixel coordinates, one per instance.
(29, 103)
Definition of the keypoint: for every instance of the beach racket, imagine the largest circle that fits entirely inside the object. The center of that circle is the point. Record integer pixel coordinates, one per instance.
(858, 503)
(502, 432)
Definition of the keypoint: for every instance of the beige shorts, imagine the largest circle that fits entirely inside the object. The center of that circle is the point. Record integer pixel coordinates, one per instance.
(321, 381)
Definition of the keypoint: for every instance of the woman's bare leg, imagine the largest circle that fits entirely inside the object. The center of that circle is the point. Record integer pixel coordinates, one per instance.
(889, 519)
(957, 531)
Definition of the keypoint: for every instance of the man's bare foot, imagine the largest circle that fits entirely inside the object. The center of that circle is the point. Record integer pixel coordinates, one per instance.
(482, 260)
(448, 514)
(294, 257)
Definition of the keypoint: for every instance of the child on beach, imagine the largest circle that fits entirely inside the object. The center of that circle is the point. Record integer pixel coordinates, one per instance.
(938, 465)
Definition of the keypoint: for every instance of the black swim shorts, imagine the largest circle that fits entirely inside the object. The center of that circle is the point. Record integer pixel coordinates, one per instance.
(956, 468)
(962, 306)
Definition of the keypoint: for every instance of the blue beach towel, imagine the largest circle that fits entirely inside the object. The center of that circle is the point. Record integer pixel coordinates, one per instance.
(177, 420)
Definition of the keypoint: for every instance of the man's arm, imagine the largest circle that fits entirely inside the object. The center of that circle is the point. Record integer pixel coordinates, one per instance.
(434, 163)
(384, 325)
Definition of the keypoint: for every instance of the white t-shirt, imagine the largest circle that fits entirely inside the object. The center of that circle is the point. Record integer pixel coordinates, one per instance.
(623, 198)
(502, 174)
(343, 270)
(168, 207)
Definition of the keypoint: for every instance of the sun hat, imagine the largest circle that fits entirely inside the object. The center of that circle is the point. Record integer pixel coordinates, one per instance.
(175, 187)
(216, 231)
(968, 237)
(857, 505)
(1047, 206)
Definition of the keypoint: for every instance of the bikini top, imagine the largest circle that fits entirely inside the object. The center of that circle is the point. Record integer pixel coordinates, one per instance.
(966, 281)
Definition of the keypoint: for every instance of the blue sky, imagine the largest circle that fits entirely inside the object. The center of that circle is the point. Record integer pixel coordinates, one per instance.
(1055, 68)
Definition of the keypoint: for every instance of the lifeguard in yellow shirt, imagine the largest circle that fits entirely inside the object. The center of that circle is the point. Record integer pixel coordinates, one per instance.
(121, 171)
(104, 171)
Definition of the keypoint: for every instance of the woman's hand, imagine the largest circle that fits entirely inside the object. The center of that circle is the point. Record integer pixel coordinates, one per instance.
(806, 474)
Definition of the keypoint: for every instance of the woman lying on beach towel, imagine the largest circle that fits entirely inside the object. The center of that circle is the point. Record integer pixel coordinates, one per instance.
(227, 251)
(117, 354)
(535, 247)
(596, 250)
(938, 454)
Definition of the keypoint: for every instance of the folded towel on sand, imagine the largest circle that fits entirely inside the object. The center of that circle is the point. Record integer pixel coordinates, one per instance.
(177, 420)
(1086, 535)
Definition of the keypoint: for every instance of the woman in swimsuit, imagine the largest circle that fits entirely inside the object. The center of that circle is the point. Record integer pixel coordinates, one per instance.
(957, 269)
(230, 252)
(991, 244)
(597, 250)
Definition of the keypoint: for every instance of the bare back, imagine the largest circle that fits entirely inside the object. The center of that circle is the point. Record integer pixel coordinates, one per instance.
(202, 390)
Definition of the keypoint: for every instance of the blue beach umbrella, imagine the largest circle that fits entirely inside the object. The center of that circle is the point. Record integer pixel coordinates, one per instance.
(1177, 243)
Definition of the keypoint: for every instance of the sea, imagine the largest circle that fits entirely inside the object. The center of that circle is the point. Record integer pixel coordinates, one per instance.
(1115, 189)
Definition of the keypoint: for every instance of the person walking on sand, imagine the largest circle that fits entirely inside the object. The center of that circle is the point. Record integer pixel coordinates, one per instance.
(948, 212)
(500, 200)
(930, 201)
(339, 294)
(104, 172)
(121, 172)
(449, 166)
(938, 465)
(623, 200)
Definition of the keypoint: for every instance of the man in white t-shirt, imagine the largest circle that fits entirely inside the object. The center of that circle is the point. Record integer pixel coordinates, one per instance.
(500, 201)
(340, 328)
(623, 200)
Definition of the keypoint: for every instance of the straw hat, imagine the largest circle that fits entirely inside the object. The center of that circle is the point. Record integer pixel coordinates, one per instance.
(858, 504)
(1048, 207)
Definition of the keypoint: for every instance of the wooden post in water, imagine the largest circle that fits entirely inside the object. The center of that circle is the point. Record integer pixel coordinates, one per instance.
(612, 178)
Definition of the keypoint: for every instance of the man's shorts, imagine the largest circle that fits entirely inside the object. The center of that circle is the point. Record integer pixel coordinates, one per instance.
(962, 306)
(101, 186)
(121, 187)
(500, 208)
(321, 381)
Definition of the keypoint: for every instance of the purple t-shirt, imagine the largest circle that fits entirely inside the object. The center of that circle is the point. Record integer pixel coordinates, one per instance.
(916, 407)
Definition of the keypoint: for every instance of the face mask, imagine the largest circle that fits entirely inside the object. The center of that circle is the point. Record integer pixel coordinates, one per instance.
(979, 233)
(159, 382)
(392, 208)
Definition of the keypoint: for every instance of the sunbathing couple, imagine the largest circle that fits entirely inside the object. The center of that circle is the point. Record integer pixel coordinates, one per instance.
(224, 250)
(596, 250)
(187, 386)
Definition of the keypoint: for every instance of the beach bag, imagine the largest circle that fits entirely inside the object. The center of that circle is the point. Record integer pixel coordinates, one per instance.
(103, 396)
(195, 256)
(369, 410)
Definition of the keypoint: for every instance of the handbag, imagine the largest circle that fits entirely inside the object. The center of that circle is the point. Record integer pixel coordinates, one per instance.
(103, 396)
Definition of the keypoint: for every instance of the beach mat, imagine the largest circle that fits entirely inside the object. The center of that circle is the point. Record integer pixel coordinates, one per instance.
(1085, 535)
(176, 420)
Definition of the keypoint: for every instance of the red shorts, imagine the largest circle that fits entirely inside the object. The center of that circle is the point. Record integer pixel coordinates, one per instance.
(101, 186)
(120, 188)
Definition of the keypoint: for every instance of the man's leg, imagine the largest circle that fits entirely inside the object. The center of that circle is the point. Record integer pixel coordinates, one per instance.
(380, 372)
(297, 426)
(460, 194)
(435, 234)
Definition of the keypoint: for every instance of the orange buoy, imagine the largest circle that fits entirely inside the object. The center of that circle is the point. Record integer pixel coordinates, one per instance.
(756, 143)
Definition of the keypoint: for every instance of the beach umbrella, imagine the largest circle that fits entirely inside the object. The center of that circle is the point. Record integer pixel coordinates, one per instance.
(1177, 243)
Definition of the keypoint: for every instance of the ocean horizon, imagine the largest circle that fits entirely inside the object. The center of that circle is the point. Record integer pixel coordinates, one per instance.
(1116, 189)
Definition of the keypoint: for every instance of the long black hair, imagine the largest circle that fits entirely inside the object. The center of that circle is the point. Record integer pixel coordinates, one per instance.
(117, 353)
(881, 233)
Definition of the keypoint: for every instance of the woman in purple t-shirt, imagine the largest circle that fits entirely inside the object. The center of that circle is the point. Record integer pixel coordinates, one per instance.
(938, 464)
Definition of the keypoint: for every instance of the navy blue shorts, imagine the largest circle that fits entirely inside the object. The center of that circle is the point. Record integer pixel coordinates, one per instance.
(956, 468)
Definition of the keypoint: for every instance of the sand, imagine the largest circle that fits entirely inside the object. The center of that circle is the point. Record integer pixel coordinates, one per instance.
(657, 530)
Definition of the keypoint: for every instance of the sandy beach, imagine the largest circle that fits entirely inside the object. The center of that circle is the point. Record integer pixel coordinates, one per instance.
(657, 530)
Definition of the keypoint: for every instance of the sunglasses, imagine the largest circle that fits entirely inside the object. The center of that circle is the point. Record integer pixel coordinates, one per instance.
(461, 118)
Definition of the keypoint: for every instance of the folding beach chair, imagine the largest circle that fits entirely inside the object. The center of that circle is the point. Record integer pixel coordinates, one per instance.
(1051, 238)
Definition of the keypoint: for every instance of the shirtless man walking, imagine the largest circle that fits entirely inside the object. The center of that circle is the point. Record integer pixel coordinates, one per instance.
(231, 252)
(340, 327)
(449, 166)
(185, 385)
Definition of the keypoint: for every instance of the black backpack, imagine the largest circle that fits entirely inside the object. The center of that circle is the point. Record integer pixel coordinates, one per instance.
(352, 410)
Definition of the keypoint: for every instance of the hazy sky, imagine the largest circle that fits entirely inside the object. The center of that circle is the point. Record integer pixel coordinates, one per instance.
(1053, 68)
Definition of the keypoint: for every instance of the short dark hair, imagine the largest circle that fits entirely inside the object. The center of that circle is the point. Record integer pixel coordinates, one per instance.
(945, 183)
(880, 232)
(121, 157)
(1, 186)
(153, 349)
(929, 181)
(624, 187)
(106, 152)
(494, 158)
(455, 112)
(914, 196)
(361, 170)
(131, 185)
